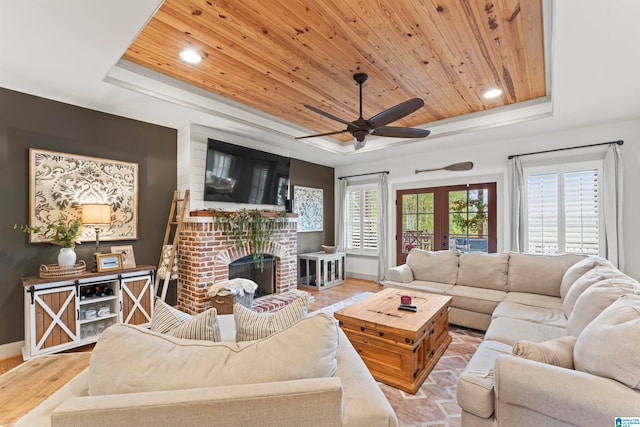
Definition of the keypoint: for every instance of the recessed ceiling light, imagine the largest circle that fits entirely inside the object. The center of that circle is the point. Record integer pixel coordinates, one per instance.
(492, 93)
(190, 56)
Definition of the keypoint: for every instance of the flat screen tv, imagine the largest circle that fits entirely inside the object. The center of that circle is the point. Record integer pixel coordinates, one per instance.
(244, 175)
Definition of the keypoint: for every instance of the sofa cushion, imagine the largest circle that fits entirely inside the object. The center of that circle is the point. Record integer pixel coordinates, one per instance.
(475, 299)
(475, 385)
(584, 282)
(129, 359)
(421, 285)
(483, 270)
(595, 299)
(546, 316)
(171, 321)
(510, 331)
(578, 269)
(543, 301)
(558, 352)
(525, 272)
(441, 266)
(608, 346)
(254, 326)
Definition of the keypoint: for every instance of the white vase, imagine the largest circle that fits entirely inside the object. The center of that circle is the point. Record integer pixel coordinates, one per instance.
(67, 257)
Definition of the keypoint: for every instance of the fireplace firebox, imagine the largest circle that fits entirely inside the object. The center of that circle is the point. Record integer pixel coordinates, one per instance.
(247, 268)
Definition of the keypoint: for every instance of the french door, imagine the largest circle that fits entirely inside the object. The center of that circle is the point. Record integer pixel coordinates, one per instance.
(459, 217)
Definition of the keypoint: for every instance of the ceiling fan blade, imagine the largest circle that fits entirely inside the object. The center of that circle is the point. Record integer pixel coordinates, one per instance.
(396, 113)
(321, 134)
(396, 132)
(327, 115)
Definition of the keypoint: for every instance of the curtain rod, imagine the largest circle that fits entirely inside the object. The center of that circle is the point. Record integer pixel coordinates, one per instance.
(362, 174)
(619, 142)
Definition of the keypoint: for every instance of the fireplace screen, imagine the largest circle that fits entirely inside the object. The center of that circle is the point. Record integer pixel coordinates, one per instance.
(247, 268)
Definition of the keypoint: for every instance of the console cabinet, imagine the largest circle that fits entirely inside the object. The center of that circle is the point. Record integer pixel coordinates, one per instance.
(73, 311)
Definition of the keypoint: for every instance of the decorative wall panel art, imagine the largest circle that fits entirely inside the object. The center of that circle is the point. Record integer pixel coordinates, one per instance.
(307, 203)
(61, 182)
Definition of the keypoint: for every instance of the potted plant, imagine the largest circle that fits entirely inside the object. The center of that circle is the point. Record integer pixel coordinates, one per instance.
(63, 232)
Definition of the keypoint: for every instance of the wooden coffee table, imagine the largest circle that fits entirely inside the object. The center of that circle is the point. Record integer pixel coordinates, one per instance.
(400, 348)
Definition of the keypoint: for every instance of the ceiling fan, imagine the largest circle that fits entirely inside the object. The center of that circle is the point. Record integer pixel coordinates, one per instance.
(376, 125)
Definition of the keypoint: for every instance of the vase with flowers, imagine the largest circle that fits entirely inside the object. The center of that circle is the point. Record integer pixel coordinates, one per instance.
(63, 232)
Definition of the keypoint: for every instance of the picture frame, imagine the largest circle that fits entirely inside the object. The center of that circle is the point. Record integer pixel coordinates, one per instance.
(59, 183)
(108, 262)
(307, 203)
(128, 257)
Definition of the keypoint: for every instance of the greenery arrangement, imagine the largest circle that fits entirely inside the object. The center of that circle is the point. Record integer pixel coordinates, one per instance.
(63, 232)
(257, 225)
(473, 214)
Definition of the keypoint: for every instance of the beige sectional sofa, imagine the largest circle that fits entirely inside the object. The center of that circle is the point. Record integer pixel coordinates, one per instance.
(574, 311)
(309, 375)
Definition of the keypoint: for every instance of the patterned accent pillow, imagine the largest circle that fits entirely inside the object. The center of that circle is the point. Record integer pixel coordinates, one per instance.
(166, 318)
(254, 326)
(171, 321)
(203, 326)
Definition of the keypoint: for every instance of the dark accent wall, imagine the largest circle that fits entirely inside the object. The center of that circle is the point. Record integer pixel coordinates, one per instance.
(312, 175)
(30, 122)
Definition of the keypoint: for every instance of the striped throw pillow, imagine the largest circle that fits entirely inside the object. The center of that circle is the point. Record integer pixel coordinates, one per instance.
(254, 326)
(171, 321)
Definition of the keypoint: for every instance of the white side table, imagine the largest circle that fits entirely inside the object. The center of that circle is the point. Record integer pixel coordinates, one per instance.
(321, 270)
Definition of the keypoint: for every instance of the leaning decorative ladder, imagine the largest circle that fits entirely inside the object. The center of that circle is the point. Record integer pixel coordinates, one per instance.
(170, 244)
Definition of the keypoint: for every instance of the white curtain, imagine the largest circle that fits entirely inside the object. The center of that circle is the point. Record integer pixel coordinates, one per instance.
(341, 237)
(383, 226)
(517, 208)
(612, 206)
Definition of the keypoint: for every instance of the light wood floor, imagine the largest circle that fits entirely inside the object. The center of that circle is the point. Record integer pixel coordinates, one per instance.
(322, 299)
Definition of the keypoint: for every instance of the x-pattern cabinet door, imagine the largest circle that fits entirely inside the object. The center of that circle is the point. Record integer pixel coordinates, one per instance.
(137, 300)
(53, 314)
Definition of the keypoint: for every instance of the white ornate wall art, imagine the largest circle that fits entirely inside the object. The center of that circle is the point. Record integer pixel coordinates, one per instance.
(307, 203)
(63, 182)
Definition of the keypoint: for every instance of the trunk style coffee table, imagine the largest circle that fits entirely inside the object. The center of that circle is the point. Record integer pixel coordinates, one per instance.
(399, 347)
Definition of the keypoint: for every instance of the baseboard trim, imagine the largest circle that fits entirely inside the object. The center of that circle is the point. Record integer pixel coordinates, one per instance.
(362, 276)
(11, 349)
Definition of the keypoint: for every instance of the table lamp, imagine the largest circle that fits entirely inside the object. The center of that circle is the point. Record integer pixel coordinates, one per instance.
(96, 214)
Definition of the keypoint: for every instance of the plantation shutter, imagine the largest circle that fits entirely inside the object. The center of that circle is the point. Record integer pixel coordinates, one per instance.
(543, 213)
(563, 212)
(581, 212)
(354, 215)
(362, 226)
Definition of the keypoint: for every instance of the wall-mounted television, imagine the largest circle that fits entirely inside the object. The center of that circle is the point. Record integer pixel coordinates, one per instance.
(244, 175)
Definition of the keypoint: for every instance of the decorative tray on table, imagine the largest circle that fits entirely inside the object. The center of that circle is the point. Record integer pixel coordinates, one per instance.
(52, 271)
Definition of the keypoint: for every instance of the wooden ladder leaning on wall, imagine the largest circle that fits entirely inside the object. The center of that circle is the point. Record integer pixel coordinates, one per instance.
(170, 243)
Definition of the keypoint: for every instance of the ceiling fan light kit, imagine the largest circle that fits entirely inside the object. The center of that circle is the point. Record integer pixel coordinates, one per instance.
(376, 125)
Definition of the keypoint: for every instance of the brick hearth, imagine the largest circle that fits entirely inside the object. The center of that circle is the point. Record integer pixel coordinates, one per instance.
(205, 252)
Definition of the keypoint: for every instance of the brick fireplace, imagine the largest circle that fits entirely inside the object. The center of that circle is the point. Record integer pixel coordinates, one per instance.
(205, 252)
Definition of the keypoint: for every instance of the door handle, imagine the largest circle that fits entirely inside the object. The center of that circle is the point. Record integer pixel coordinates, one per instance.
(444, 237)
(444, 244)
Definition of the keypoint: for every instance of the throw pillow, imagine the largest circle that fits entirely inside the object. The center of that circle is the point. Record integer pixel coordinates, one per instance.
(583, 283)
(165, 317)
(254, 326)
(579, 269)
(595, 299)
(170, 320)
(558, 352)
(130, 359)
(608, 346)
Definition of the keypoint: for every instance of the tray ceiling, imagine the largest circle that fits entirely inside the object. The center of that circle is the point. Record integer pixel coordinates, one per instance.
(277, 55)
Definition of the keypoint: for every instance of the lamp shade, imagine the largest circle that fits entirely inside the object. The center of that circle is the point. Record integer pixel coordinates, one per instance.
(95, 213)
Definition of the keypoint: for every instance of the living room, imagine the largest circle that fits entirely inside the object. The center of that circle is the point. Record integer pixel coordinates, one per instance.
(60, 93)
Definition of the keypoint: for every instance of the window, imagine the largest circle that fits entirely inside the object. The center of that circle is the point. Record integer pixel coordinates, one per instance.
(563, 208)
(362, 222)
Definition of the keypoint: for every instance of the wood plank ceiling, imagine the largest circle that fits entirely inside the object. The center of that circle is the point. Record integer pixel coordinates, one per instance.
(277, 55)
